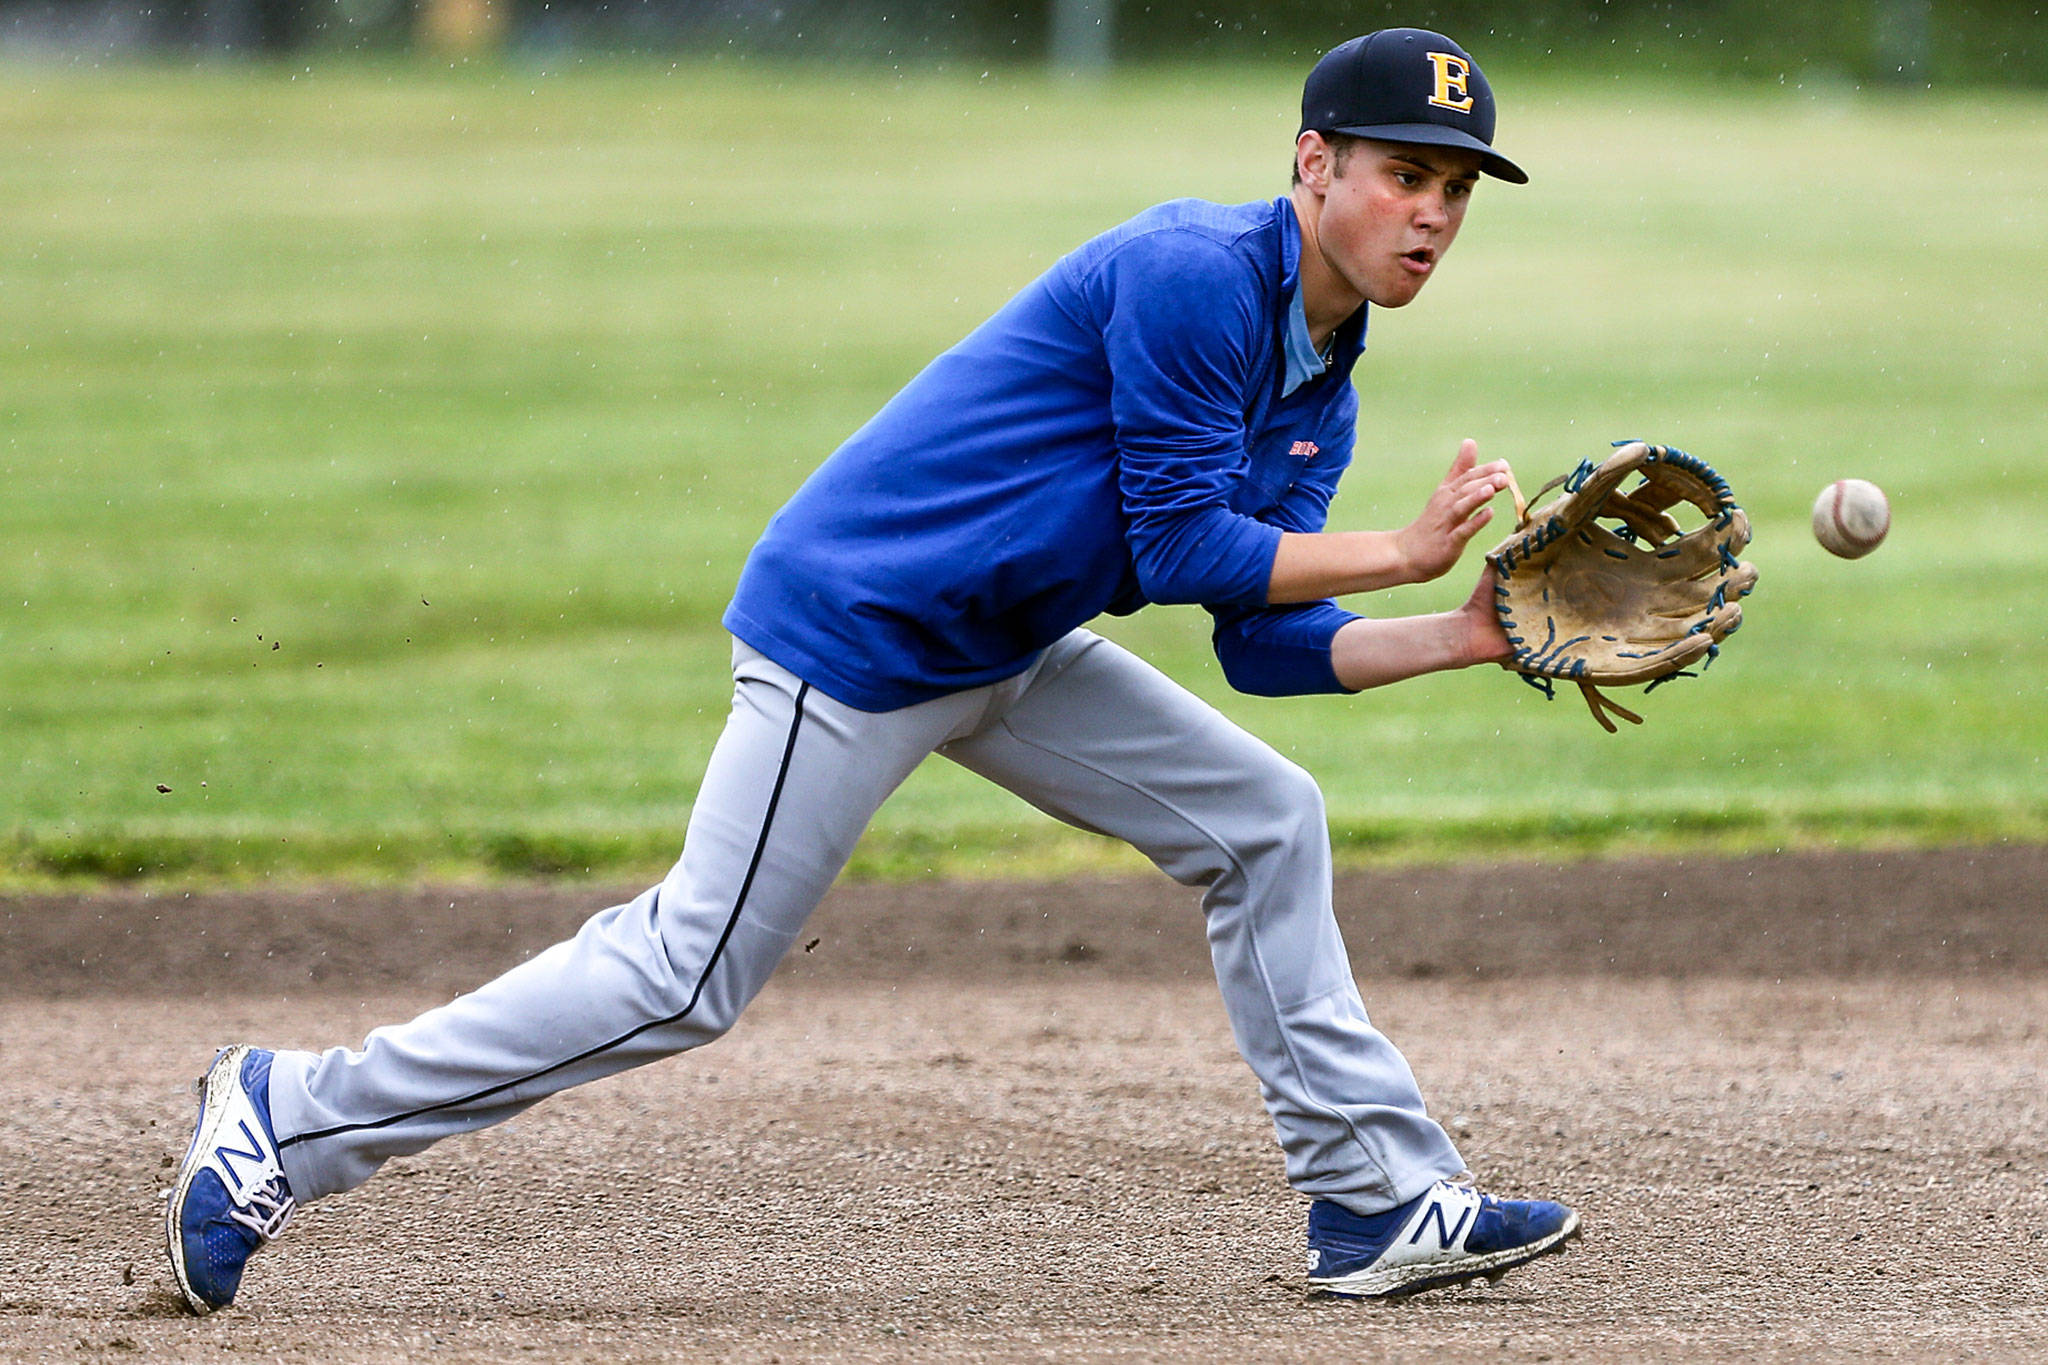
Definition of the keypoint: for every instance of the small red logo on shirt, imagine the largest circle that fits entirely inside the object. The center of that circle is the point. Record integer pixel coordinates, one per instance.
(1305, 449)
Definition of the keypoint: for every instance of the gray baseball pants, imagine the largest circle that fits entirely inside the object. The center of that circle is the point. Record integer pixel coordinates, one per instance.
(1090, 734)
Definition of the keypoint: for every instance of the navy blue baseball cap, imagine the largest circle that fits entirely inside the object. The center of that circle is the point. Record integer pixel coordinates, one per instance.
(1406, 85)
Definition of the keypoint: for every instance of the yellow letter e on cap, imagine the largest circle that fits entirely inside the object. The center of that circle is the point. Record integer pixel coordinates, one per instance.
(1452, 72)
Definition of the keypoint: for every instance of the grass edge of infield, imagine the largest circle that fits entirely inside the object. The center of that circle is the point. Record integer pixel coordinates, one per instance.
(1026, 850)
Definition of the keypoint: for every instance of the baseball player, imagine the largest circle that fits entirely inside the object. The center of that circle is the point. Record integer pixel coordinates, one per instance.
(1161, 417)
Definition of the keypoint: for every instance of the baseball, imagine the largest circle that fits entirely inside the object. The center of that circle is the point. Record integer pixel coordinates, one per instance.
(1850, 518)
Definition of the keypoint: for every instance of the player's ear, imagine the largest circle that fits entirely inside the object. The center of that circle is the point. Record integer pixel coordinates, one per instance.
(1314, 161)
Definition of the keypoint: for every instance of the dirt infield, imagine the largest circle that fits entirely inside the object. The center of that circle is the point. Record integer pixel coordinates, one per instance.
(1799, 1100)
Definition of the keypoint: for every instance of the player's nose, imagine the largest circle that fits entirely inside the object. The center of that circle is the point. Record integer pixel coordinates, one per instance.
(1432, 210)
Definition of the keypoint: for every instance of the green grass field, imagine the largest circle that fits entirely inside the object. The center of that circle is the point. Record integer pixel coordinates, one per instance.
(380, 445)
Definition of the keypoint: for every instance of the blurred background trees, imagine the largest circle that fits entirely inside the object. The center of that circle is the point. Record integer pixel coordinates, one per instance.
(1903, 42)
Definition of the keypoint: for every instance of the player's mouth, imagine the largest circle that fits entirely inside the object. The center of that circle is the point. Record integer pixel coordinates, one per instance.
(1420, 261)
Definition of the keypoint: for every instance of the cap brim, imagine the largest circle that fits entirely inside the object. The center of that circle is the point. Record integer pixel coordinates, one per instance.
(1436, 135)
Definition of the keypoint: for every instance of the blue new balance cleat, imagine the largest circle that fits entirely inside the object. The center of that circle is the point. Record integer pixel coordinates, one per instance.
(230, 1198)
(1447, 1235)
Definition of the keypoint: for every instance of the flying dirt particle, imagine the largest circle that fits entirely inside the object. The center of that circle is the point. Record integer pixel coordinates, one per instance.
(162, 788)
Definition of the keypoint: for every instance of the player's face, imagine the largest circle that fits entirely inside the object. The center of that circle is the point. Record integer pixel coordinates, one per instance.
(1389, 218)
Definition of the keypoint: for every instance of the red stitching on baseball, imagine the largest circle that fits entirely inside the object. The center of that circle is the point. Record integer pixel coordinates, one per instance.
(1840, 489)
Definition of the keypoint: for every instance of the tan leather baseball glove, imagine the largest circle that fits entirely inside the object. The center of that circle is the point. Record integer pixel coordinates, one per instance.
(1604, 588)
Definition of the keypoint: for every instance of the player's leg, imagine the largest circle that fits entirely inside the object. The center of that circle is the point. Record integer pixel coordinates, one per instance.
(1103, 740)
(792, 782)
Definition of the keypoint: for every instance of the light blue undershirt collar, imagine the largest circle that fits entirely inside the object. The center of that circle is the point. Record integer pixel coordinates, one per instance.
(1303, 362)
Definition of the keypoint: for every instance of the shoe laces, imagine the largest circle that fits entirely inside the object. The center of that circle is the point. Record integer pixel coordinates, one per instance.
(270, 1208)
(1469, 1184)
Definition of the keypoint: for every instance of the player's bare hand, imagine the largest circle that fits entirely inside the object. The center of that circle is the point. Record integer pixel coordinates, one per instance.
(1455, 513)
(1480, 616)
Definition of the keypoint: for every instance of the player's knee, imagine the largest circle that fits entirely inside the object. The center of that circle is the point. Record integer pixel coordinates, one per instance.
(713, 1019)
(1307, 817)
(1284, 813)
(717, 1007)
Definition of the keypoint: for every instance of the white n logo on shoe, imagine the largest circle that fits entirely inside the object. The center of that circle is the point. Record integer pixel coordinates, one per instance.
(242, 1156)
(1445, 1234)
(1437, 1212)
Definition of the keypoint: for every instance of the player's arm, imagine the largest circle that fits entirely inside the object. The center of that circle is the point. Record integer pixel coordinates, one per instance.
(1371, 653)
(1177, 375)
(1309, 566)
(1317, 646)
(1180, 322)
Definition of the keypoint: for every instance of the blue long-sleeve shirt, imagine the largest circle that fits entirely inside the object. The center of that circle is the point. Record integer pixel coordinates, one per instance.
(1122, 432)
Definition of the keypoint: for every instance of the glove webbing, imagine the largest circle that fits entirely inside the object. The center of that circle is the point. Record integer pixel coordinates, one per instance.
(1598, 702)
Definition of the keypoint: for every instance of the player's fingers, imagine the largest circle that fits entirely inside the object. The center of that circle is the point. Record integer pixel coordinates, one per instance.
(1492, 477)
(1474, 493)
(1471, 500)
(1467, 456)
(1471, 526)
